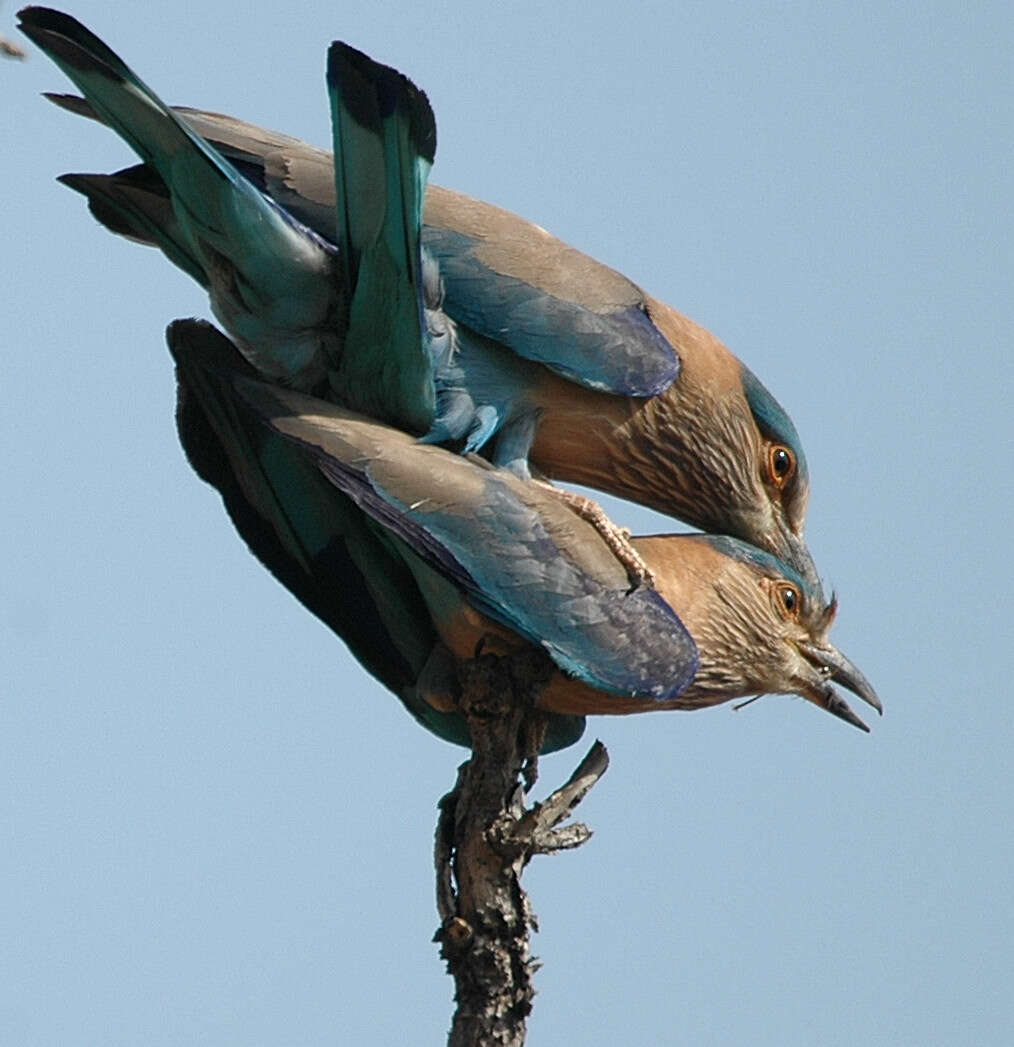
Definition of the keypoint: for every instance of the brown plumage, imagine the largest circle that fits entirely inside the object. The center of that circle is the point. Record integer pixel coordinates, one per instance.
(498, 563)
(712, 447)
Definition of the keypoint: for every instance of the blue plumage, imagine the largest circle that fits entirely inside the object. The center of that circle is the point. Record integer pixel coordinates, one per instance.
(384, 139)
(772, 419)
(612, 348)
(365, 312)
(270, 278)
(457, 321)
(500, 551)
(443, 553)
(462, 388)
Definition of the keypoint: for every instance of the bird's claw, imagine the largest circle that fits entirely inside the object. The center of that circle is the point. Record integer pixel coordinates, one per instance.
(617, 538)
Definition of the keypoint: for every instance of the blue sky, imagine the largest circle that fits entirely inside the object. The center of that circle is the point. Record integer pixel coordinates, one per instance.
(217, 829)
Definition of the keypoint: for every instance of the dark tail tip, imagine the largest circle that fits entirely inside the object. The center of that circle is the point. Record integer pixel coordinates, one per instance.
(64, 37)
(373, 92)
(71, 103)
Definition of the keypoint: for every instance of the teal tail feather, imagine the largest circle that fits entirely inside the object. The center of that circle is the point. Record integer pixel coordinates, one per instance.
(384, 143)
(271, 279)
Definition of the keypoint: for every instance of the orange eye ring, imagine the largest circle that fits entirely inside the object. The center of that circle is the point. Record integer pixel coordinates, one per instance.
(788, 599)
(781, 465)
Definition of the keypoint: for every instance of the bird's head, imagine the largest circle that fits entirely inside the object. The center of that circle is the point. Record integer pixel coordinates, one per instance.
(770, 504)
(759, 626)
(737, 463)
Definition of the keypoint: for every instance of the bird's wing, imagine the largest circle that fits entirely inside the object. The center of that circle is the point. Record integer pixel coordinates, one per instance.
(273, 275)
(503, 276)
(384, 141)
(292, 172)
(308, 534)
(515, 550)
(510, 280)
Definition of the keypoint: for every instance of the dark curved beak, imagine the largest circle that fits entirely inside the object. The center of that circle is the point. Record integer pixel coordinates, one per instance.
(834, 666)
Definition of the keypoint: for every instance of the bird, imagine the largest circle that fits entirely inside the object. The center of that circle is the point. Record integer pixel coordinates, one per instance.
(451, 554)
(541, 357)
(314, 540)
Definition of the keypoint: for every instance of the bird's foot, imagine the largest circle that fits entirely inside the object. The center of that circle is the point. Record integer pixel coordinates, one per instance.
(617, 538)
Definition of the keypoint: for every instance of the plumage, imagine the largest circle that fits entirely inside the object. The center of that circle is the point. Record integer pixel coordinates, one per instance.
(270, 278)
(384, 141)
(555, 360)
(498, 561)
(314, 540)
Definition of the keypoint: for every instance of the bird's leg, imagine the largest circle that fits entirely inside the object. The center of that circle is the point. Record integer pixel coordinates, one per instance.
(617, 538)
(512, 447)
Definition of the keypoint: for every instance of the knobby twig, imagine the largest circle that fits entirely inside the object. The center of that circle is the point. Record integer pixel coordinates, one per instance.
(484, 839)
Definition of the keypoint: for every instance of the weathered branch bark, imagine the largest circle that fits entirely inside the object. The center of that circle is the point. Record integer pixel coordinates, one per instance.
(484, 839)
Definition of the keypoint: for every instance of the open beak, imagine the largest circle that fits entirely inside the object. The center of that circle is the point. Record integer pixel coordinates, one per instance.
(832, 665)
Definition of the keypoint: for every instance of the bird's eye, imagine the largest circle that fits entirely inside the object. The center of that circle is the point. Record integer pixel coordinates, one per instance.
(781, 464)
(788, 595)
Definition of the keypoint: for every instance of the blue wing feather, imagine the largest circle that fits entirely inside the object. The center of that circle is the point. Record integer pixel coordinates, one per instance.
(309, 535)
(616, 349)
(588, 323)
(499, 541)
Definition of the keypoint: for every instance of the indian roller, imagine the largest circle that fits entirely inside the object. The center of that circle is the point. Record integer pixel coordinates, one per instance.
(531, 352)
(416, 556)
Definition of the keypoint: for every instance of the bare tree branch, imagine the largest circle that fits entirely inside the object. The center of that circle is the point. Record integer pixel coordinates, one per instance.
(484, 839)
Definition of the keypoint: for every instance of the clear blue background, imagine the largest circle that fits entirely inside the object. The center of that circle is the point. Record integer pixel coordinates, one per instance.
(216, 829)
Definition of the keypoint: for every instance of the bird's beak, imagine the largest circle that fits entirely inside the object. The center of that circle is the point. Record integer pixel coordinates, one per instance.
(797, 555)
(832, 665)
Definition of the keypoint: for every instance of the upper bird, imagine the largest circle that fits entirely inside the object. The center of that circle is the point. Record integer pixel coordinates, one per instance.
(533, 352)
(308, 311)
(415, 555)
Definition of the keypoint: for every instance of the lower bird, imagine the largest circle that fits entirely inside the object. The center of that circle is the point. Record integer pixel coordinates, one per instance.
(447, 553)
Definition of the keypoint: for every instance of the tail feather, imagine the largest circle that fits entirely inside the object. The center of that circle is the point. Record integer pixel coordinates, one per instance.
(135, 203)
(297, 176)
(272, 281)
(384, 143)
(120, 98)
(73, 104)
